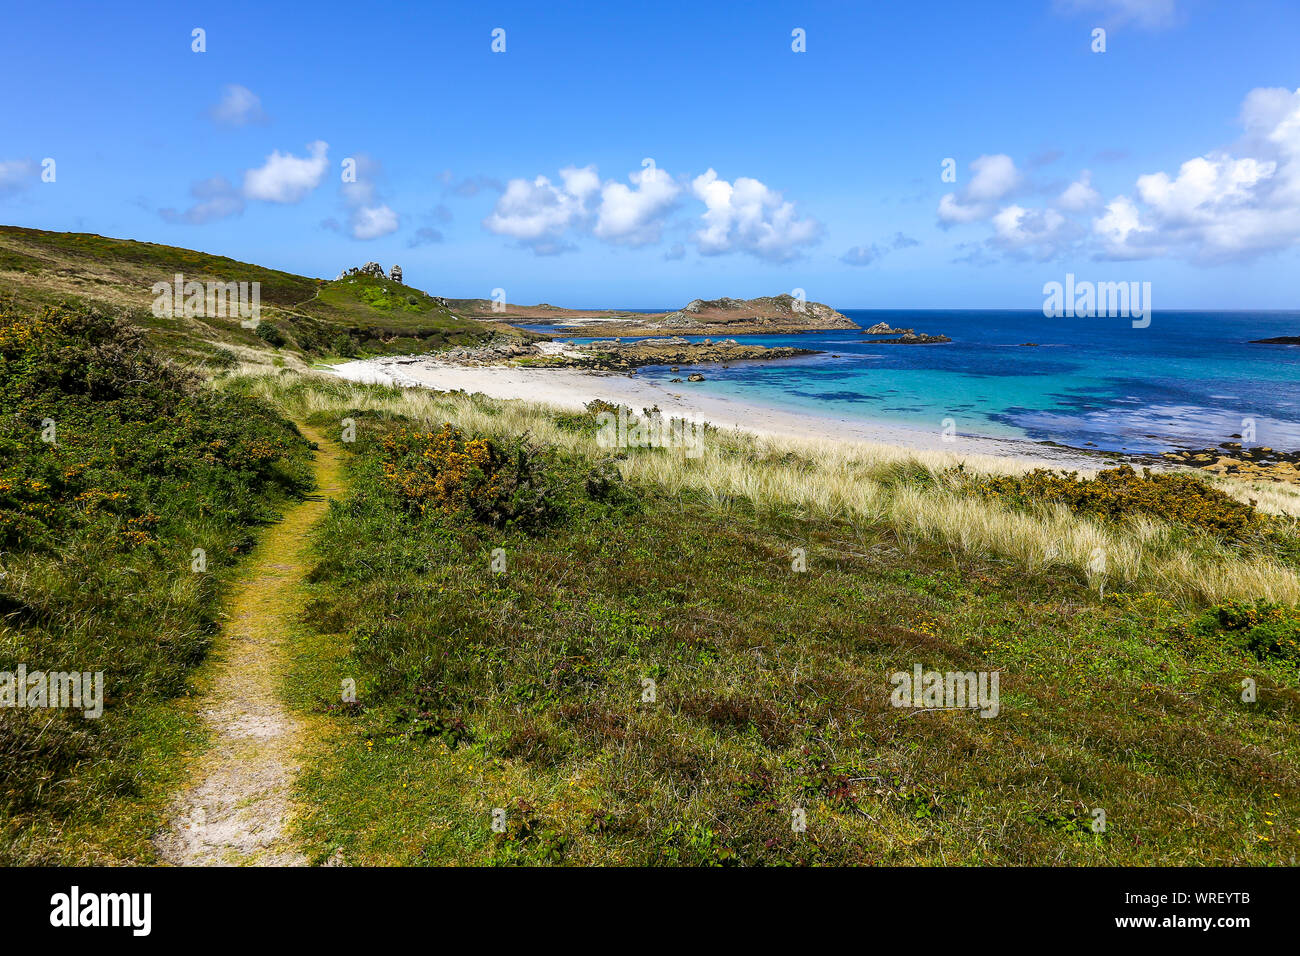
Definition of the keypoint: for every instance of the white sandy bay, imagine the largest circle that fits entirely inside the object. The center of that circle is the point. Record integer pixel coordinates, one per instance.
(572, 389)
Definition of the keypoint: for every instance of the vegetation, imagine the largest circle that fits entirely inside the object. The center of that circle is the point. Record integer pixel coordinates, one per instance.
(1119, 493)
(504, 668)
(310, 319)
(114, 467)
(620, 656)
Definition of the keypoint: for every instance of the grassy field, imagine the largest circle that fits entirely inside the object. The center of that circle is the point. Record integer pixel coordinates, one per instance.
(521, 689)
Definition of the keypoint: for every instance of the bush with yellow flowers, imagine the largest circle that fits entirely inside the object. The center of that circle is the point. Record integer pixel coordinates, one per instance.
(1118, 493)
(446, 472)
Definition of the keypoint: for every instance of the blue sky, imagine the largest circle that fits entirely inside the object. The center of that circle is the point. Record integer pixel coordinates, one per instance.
(1173, 157)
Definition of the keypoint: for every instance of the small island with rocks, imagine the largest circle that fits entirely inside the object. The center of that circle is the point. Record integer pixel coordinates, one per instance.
(767, 315)
(903, 336)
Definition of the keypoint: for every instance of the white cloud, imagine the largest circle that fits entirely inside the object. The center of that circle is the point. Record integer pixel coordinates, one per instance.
(1121, 231)
(1079, 195)
(239, 106)
(286, 178)
(634, 217)
(371, 222)
(368, 216)
(747, 216)
(217, 199)
(995, 176)
(17, 173)
(1224, 205)
(1220, 207)
(538, 213)
(1042, 233)
(952, 211)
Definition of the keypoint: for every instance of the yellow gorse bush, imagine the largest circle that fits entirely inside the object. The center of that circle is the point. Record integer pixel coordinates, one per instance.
(442, 470)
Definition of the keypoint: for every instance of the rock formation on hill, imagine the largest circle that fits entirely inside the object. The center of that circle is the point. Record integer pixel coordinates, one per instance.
(374, 270)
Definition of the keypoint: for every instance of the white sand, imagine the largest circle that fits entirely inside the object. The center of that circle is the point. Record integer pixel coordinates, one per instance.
(573, 388)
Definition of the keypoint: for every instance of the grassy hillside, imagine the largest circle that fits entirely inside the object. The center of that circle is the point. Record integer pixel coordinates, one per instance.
(305, 318)
(523, 690)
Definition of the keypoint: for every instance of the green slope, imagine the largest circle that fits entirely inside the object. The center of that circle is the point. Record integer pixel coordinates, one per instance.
(304, 317)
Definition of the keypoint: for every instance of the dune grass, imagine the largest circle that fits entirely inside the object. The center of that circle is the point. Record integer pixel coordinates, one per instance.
(916, 493)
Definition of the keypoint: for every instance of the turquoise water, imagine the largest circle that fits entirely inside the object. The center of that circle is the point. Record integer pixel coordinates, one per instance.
(1187, 381)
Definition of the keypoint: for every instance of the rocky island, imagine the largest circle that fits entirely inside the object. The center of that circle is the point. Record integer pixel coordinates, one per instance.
(768, 315)
(904, 336)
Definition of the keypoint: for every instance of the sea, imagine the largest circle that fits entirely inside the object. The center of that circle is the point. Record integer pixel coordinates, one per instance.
(1186, 380)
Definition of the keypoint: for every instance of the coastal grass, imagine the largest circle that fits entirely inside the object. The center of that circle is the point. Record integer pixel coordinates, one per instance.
(522, 690)
(919, 494)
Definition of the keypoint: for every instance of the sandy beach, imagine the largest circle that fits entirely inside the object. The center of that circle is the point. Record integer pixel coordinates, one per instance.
(573, 388)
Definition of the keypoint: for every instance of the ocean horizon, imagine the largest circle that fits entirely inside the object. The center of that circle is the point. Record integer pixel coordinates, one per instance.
(1190, 379)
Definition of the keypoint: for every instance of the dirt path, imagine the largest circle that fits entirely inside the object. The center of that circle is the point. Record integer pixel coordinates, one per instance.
(235, 811)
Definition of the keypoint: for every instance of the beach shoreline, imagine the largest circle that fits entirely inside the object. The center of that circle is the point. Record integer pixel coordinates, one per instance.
(572, 389)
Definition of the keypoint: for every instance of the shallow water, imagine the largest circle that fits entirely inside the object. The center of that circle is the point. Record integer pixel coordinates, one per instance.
(1188, 380)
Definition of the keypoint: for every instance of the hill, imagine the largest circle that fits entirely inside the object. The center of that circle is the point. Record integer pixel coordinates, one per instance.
(306, 318)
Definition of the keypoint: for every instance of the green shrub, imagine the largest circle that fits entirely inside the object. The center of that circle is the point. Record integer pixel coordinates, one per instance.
(1269, 631)
(269, 334)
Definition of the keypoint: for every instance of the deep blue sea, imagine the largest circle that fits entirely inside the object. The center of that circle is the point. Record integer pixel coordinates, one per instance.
(1188, 380)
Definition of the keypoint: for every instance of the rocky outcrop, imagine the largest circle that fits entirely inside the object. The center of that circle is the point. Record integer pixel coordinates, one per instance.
(372, 269)
(395, 273)
(1278, 340)
(914, 338)
(771, 314)
(674, 352)
(882, 328)
(614, 356)
(1230, 458)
